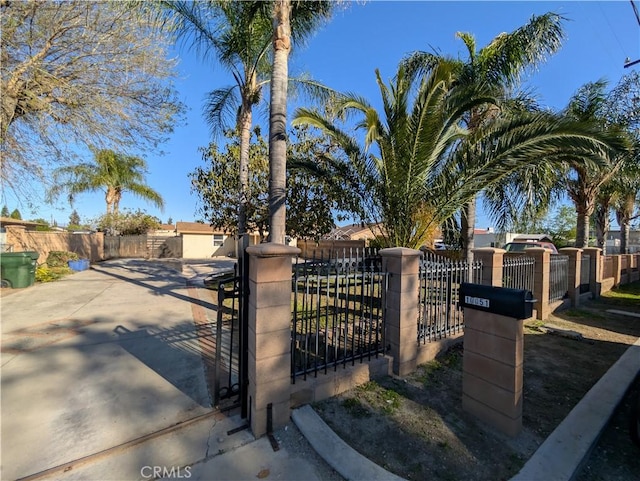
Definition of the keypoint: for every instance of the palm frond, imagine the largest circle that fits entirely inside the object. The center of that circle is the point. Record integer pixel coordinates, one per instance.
(220, 109)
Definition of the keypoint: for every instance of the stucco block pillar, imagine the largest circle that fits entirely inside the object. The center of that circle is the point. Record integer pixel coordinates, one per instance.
(403, 266)
(492, 369)
(574, 272)
(617, 270)
(595, 270)
(541, 281)
(492, 264)
(269, 332)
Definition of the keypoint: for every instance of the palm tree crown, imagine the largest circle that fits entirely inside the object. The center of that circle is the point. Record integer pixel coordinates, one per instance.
(401, 160)
(498, 66)
(112, 173)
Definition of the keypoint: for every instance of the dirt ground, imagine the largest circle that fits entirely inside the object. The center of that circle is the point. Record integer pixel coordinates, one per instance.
(415, 426)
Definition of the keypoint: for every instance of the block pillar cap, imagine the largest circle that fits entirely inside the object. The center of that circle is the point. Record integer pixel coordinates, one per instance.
(271, 249)
(569, 250)
(400, 252)
(488, 250)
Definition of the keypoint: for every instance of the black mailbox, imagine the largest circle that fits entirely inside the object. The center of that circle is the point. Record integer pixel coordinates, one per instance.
(516, 303)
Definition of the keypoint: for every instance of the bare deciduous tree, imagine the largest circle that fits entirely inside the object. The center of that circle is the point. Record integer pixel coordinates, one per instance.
(78, 73)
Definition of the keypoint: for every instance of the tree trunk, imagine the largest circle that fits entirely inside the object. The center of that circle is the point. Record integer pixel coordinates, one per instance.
(110, 199)
(625, 230)
(582, 229)
(245, 142)
(116, 201)
(468, 225)
(602, 226)
(278, 122)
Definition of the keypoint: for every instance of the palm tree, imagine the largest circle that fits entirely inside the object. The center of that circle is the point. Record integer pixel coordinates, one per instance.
(292, 19)
(623, 108)
(411, 172)
(401, 162)
(586, 176)
(627, 195)
(498, 65)
(582, 182)
(238, 34)
(602, 214)
(110, 172)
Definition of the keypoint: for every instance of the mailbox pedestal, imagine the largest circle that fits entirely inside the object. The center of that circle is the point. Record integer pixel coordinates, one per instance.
(493, 355)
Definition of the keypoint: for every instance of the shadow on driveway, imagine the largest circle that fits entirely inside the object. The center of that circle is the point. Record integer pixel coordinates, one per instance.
(174, 354)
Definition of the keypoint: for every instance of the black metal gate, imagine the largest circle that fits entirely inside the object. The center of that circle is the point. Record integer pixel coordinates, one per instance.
(231, 354)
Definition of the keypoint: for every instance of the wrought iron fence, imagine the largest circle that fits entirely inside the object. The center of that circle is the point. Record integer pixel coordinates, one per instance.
(585, 273)
(439, 312)
(518, 272)
(338, 311)
(558, 277)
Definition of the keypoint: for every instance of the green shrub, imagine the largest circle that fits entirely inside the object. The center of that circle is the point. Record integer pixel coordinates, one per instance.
(60, 258)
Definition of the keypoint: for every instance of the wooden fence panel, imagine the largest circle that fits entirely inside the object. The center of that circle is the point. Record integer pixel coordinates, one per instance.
(133, 246)
(161, 247)
(111, 247)
(142, 246)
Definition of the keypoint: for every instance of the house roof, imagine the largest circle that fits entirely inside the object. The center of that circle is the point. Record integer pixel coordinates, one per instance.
(169, 227)
(196, 228)
(348, 231)
(11, 221)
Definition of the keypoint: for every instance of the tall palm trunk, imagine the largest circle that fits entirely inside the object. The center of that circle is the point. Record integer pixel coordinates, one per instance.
(624, 214)
(468, 217)
(625, 231)
(585, 210)
(278, 121)
(245, 142)
(468, 225)
(602, 225)
(110, 198)
(116, 200)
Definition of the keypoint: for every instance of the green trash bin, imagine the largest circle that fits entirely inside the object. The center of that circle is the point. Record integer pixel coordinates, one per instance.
(18, 269)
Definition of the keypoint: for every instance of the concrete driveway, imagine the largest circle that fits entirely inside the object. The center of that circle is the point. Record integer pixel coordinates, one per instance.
(100, 358)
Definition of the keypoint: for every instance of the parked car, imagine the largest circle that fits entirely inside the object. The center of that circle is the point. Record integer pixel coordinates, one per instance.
(522, 246)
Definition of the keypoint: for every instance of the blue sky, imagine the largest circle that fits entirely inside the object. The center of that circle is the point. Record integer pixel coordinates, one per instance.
(344, 54)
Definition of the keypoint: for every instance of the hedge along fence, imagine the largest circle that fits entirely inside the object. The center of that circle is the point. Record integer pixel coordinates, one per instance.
(87, 246)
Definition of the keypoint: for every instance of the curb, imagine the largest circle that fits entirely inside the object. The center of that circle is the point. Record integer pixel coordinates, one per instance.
(561, 455)
(350, 464)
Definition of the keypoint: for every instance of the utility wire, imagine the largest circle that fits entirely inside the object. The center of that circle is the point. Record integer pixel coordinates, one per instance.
(629, 63)
(635, 10)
